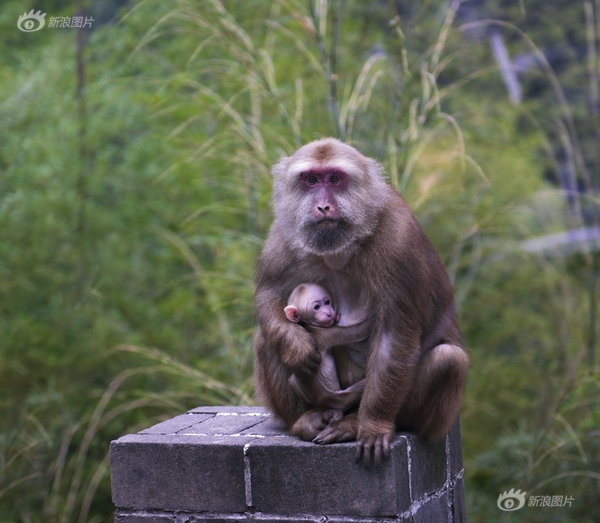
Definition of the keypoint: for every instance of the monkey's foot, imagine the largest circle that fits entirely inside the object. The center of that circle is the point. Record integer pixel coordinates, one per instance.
(313, 421)
(344, 429)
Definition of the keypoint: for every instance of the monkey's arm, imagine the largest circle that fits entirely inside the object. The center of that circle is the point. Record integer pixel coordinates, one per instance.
(294, 345)
(389, 374)
(329, 337)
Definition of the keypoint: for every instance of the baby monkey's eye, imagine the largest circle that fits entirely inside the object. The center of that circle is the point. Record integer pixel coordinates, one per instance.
(327, 302)
(317, 307)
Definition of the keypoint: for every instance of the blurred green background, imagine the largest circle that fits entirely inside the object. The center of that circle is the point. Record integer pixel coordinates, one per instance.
(135, 181)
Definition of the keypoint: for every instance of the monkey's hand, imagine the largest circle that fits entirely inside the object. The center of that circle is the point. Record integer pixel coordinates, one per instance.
(373, 442)
(331, 336)
(300, 353)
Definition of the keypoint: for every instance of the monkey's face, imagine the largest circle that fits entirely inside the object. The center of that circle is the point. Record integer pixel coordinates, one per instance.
(325, 221)
(319, 310)
(328, 196)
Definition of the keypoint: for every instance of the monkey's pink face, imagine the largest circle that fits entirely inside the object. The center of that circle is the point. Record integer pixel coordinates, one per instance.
(327, 197)
(323, 187)
(321, 310)
(326, 224)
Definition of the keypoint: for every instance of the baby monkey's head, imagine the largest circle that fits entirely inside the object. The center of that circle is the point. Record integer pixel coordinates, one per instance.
(310, 303)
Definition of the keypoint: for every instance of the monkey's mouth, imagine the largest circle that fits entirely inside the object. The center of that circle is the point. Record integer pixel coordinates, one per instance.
(327, 224)
(327, 235)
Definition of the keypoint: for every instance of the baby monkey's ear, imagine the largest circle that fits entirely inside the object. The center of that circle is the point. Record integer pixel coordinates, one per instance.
(291, 313)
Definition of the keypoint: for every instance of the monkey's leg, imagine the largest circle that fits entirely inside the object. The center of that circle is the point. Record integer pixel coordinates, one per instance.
(436, 395)
(313, 421)
(313, 392)
(346, 398)
(302, 387)
(318, 389)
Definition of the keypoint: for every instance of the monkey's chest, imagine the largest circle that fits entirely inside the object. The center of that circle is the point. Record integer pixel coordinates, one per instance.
(349, 300)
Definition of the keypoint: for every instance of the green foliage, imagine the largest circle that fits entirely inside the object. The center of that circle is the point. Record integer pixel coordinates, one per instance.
(132, 213)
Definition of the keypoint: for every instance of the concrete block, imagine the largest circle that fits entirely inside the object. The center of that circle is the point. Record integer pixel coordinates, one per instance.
(234, 411)
(290, 476)
(178, 473)
(223, 425)
(176, 424)
(428, 466)
(459, 511)
(129, 516)
(123, 516)
(455, 450)
(434, 510)
(232, 464)
(268, 427)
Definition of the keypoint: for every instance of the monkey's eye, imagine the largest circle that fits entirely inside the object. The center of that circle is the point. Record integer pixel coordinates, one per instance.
(334, 178)
(327, 302)
(312, 179)
(316, 307)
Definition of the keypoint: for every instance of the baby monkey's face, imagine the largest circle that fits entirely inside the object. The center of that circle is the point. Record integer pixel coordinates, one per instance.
(311, 304)
(319, 309)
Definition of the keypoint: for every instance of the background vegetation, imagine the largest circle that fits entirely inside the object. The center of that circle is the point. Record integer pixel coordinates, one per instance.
(134, 197)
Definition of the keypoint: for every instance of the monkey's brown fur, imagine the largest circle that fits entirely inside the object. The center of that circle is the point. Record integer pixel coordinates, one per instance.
(355, 234)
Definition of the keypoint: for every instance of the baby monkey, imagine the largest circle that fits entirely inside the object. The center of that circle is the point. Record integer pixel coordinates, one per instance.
(311, 306)
(311, 303)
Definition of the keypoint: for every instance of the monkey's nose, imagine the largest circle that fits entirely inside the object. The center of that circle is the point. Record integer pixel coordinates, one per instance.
(324, 208)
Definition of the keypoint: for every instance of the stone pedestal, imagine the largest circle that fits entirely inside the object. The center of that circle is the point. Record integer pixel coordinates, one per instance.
(223, 464)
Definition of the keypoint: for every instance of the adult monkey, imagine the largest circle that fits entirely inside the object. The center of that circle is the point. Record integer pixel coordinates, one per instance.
(339, 224)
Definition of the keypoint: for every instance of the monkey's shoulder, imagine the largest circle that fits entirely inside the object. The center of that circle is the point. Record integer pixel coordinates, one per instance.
(397, 237)
(408, 266)
(275, 252)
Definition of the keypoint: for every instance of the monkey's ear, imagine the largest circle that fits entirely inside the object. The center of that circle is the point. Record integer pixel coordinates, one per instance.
(291, 313)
